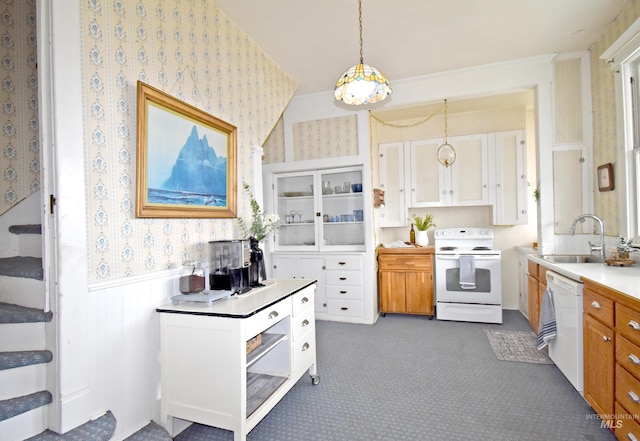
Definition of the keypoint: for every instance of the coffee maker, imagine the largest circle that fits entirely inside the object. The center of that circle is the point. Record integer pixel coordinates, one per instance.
(229, 265)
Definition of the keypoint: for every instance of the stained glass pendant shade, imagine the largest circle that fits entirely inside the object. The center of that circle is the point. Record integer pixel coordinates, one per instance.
(362, 83)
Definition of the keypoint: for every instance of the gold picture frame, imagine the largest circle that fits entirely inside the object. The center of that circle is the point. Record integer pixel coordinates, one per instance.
(186, 159)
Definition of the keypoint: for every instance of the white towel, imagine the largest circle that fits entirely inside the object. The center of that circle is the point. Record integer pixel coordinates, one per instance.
(547, 327)
(467, 272)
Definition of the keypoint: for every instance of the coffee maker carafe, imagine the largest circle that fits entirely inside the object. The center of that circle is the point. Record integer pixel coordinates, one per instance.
(257, 269)
(229, 265)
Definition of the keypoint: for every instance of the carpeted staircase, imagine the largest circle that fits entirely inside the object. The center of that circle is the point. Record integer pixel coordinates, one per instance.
(24, 397)
(23, 355)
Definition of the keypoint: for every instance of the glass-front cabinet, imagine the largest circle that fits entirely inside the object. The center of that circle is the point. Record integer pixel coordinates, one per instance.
(320, 210)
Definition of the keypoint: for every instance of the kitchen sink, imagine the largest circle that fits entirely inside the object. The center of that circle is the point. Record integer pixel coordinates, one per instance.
(571, 258)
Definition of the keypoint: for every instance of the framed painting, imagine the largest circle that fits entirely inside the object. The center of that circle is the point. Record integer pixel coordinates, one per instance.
(186, 159)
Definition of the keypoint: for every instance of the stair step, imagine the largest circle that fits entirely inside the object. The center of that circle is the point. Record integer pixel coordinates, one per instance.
(26, 229)
(19, 314)
(19, 405)
(15, 359)
(22, 266)
(99, 429)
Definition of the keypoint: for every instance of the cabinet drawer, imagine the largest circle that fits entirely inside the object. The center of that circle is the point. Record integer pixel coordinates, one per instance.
(628, 356)
(628, 323)
(598, 307)
(405, 263)
(625, 426)
(344, 292)
(343, 278)
(627, 391)
(348, 263)
(267, 318)
(302, 323)
(303, 300)
(303, 351)
(345, 308)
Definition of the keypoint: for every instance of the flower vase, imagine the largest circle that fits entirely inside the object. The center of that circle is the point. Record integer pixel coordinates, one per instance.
(422, 239)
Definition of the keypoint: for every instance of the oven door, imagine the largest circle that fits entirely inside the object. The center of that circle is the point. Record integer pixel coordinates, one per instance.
(488, 282)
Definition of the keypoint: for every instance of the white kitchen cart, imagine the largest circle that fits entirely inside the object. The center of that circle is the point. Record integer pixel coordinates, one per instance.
(207, 375)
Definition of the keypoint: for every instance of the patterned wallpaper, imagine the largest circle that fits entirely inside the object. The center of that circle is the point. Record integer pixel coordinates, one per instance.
(325, 138)
(19, 140)
(605, 142)
(274, 145)
(191, 50)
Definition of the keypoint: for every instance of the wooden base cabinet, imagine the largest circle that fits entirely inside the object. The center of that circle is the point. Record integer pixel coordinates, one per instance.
(612, 358)
(406, 281)
(536, 286)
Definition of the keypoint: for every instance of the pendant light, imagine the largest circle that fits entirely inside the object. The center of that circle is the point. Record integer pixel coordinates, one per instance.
(446, 153)
(362, 83)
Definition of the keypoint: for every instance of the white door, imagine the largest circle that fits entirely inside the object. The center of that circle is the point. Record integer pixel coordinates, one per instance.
(469, 184)
(429, 181)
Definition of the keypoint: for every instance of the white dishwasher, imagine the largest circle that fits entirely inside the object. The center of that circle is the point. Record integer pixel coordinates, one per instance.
(566, 349)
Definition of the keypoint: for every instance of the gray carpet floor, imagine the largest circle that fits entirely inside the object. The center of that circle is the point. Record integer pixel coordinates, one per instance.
(409, 378)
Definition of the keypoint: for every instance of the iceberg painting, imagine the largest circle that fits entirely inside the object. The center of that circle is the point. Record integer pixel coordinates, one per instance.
(186, 167)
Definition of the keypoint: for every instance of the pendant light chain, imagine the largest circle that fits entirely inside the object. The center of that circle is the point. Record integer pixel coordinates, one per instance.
(360, 22)
(446, 124)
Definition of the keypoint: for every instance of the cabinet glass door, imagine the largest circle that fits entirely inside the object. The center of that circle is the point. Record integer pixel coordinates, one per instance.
(342, 209)
(295, 201)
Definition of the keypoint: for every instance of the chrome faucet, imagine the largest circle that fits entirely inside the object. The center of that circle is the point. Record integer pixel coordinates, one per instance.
(601, 247)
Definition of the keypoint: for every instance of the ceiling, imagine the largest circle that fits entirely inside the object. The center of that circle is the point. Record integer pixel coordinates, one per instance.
(315, 41)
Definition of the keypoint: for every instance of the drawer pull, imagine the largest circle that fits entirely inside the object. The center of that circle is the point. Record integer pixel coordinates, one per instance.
(344, 308)
(631, 437)
(634, 397)
(273, 314)
(343, 292)
(633, 324)
(305, 347)
(342, 263)
(595, 304)
(634, 359)
(343, 278)
(605, 338)
(304, 300)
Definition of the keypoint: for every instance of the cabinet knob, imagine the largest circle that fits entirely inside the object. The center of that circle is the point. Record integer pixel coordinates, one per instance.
(304, 300)
(606, 338)
(305, 347)
(304, 323)
(633, 324)
(634, 396)
(273, 314)
(634, 359)
(595, 304)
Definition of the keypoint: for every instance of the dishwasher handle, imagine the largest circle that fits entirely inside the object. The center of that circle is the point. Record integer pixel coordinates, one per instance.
(565, 283)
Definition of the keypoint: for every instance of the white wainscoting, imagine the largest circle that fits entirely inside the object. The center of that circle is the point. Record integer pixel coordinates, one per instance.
(124, 357)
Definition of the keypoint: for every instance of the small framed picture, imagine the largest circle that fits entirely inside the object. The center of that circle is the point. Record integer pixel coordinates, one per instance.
(605, 177)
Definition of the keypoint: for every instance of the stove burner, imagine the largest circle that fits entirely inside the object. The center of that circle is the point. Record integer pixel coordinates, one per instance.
(481, 249)
(447, 248)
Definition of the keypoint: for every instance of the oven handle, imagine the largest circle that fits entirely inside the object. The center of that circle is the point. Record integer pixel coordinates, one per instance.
(478, 257)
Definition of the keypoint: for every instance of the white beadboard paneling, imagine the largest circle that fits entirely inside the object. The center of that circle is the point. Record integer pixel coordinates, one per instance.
(125, 358)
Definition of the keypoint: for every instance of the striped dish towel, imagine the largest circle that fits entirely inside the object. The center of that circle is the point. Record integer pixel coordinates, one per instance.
(547, 327)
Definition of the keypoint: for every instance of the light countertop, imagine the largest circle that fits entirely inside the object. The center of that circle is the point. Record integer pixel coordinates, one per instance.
(243, 305)
(625, 280)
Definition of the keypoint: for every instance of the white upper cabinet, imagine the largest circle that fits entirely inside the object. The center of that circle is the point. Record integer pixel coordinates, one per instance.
(392, 182)
(507, 158)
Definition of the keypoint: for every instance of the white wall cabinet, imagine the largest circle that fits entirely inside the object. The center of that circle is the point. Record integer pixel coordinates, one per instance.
(508, 177)
(412, 176)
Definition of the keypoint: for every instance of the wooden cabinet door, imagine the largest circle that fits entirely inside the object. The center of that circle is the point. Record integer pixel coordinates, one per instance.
(418, 293)
(392, 291)
(534, 304)
(599, 363)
